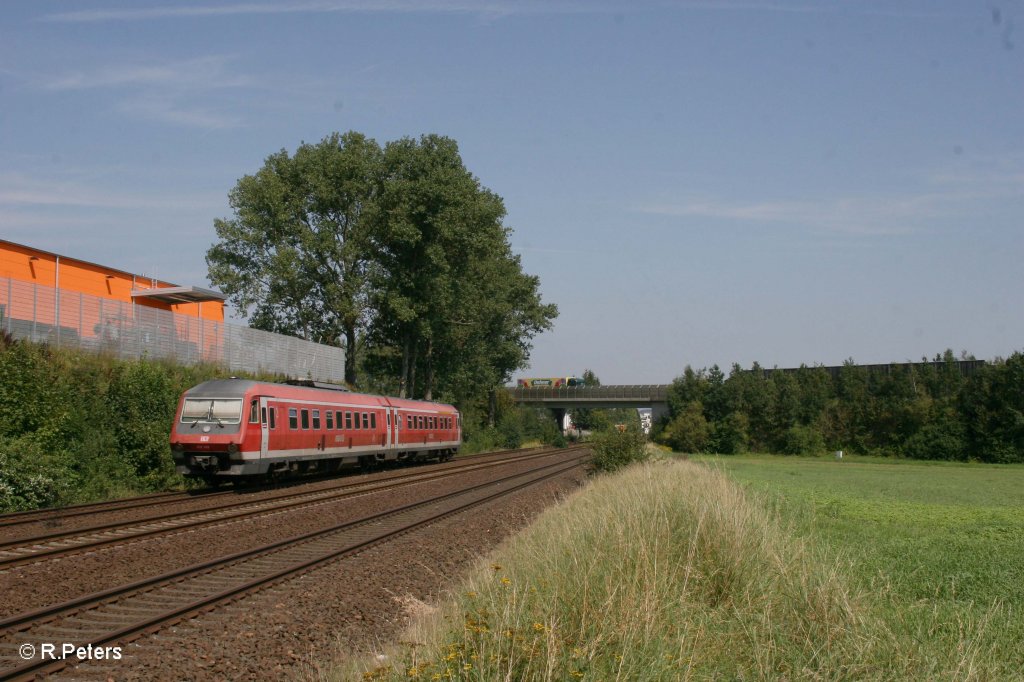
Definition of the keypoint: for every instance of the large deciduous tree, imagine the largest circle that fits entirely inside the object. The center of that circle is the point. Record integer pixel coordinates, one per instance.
(294, 257)
(453, 308)
(398, 254)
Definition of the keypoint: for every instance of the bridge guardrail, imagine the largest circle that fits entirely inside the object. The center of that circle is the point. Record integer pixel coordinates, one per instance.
(640, 392)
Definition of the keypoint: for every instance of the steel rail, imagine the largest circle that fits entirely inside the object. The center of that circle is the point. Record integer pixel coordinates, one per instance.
(23, 624)
(194, 519)
(51, 515)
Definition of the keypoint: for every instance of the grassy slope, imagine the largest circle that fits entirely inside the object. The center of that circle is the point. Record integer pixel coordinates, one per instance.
(865, 569)
(940, 547)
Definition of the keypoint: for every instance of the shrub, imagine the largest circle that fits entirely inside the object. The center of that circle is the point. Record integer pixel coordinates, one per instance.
(689, 430)
(29, 478)
(803, 440)
(729, 436)
(614, 449)
(937, 440)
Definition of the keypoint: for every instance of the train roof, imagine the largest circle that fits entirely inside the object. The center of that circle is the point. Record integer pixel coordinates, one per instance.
(226, 388)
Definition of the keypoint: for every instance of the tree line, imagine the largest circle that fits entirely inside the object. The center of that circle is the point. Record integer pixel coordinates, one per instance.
(923, 411)
(396, 253)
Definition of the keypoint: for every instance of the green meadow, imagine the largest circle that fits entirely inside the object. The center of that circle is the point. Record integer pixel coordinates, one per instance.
(937, 548)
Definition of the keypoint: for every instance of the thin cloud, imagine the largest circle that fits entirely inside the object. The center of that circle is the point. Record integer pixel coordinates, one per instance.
(878, 216)
(203, 73)
(166, 92)
(392, 6)
(491, 9)
(20, 190)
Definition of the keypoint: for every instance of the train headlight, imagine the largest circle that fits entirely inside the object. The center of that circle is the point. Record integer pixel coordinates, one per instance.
(177, 447)
(232, 448)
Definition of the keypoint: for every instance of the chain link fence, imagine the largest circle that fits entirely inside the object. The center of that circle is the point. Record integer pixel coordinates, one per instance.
(69, 319)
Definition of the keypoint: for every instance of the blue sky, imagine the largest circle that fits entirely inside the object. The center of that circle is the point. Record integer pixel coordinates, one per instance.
(694, 182)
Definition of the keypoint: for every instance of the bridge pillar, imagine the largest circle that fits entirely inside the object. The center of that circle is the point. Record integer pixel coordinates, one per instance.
(658, 412)
(559, 414)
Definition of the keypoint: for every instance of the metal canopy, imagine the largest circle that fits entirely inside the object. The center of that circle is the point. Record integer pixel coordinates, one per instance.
(179, 294)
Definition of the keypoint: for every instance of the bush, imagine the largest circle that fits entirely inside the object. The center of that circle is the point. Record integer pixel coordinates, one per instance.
(729, 436)
(689, 430)
(803, 440)
(614, 449)
(937, 440)
(29, 478)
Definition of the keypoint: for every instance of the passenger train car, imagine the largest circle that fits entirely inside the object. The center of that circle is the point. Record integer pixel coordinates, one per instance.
(233, 428)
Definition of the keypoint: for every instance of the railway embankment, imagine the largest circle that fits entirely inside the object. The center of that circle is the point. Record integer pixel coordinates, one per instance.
(669, 570)
(77, 427)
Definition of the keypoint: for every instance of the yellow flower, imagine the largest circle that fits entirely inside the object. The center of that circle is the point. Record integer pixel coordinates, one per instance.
(414, 672)
(576, 673)
(505, 580)
(539, 627)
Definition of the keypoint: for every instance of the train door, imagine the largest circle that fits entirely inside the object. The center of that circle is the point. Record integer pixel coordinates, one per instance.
(396, 421)
(264, 430)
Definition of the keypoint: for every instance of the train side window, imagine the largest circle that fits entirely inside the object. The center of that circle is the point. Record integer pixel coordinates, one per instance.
(263, 416)
(357, 417)
(293, 418)
(348, 420)
(373, 420)
(337, 419)
(273, 417)
(316, 420)
(305, 419)
(254, 415)
(330, 420)
(366, 420)
(387, 415)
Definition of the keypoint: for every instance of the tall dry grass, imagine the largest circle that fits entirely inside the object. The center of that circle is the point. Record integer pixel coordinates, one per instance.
(665, 571)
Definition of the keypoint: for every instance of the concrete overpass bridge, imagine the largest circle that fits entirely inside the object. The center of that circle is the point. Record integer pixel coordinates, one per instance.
(558, 400)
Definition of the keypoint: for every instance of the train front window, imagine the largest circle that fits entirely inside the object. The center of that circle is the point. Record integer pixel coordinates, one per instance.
(211, 411)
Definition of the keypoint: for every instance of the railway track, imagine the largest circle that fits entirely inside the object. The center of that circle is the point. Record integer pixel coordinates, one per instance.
(60, 544)
(58, 516)
(120, 615)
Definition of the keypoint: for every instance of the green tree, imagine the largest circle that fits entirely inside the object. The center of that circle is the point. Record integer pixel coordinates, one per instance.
(689, 430)
(587, 418)
(294, 257)
(452, 307)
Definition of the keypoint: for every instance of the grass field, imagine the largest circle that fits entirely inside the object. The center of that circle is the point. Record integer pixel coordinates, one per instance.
(744, 568)
(939, 547)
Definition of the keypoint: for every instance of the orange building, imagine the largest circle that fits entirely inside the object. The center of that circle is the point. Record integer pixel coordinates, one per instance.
(77, 298)
(35, 266)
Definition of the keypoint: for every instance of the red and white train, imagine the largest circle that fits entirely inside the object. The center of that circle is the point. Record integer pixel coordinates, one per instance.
(227, 429)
